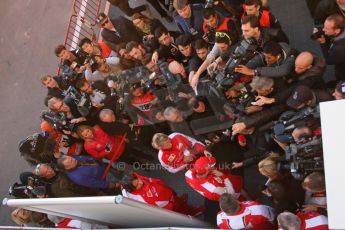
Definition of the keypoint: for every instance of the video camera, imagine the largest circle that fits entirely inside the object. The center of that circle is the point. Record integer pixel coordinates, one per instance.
(37, 148)
(57, 120)
(91, 59)
(224, 79)
(81, 99)
(34, 188)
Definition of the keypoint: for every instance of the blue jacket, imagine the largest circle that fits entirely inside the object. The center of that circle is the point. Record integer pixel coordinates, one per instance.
(185, 25)
(88, 176)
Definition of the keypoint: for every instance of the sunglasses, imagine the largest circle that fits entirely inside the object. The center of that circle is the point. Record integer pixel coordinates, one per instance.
(222, 35)
(105, 22)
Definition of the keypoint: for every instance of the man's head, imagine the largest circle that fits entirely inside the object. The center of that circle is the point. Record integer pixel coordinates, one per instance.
(173, 114)
(222, 41)
(201, 49)
(107, 115)
(177, 68)
(135, 50)
(272, 52)
(85, 132)
(250, 27)
(161, 141)
(67, 163)
(334, 25)
(44, 171)
(314, 182)
(58, 105)
(289, 221)
(149, 64)
(303, 62)
(184, 43)
(103, 21)
(229, 204)
(63, 53)
(203, 165)
(252, 7)
(137, 90)
(163, 36)
(339, 91)
(86, 45)
(49, 81)
(262, 85)
(301, 97)
(210, 17)
(84, 85)
(139, 20)
(183, 8)
(121, 50)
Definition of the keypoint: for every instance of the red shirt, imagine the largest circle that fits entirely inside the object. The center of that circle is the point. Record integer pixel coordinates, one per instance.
(104, 145)
(313, 221)
(182, 145)
(251, 215)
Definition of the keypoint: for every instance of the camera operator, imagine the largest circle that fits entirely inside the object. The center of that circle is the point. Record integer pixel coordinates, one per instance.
(276, 61)
(215, 22)
(309, 70)
(58, 185)
(98, 92)
(266, 18)
(222, 45)
(101, 49)
(188, 17)
(98, 69)
(74, 59)
(333, 44)
(167, 50)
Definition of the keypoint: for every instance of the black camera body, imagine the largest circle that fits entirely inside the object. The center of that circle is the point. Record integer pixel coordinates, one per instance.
(210, 35)
(91, 59)
(318, 33)
(57, 120)
(82, 100)
(32, 189)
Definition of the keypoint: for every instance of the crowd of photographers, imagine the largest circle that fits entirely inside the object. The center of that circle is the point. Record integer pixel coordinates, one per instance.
(224, 92)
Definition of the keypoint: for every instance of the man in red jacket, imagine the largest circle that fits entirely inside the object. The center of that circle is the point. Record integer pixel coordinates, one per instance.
(176, 151)
(212, 183)
(155, 192)
(244, 215)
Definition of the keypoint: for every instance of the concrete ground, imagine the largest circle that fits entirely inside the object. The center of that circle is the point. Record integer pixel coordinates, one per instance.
(31, 30)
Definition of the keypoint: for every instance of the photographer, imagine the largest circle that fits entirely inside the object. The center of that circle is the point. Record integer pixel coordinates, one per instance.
(333, 44)
(55, 86)
(101, 49)
(215, 22)
(167, 50)
(97, 68)
(74, 59)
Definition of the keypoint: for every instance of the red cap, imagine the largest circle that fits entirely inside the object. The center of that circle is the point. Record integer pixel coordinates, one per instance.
(202, 164)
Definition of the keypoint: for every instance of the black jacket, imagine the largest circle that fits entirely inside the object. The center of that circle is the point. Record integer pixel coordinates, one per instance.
(334, 53)
(125, 29)
(324, 9)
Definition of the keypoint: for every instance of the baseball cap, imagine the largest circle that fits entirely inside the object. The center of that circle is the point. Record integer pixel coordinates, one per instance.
(202, 164)
(100, 18)
(300, 95)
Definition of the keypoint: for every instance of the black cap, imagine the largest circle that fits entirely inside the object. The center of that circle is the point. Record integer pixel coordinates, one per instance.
(301, 94)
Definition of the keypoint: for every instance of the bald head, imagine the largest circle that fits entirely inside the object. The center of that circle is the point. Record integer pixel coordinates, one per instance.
(107, 115)
(177, 68)
(303, 62)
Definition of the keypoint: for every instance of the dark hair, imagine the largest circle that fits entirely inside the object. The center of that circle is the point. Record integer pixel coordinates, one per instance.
(147, 58)
(252, 20)
(208, 12)
(183, 40)
(84, 41)
(272, 48)
(59, 163)
(252, 2)
(339, 21)
(160, 31)
(200, 44)
(228, 204)
(80, 82)
(131, 45)
(340, 87)
(59, 49)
